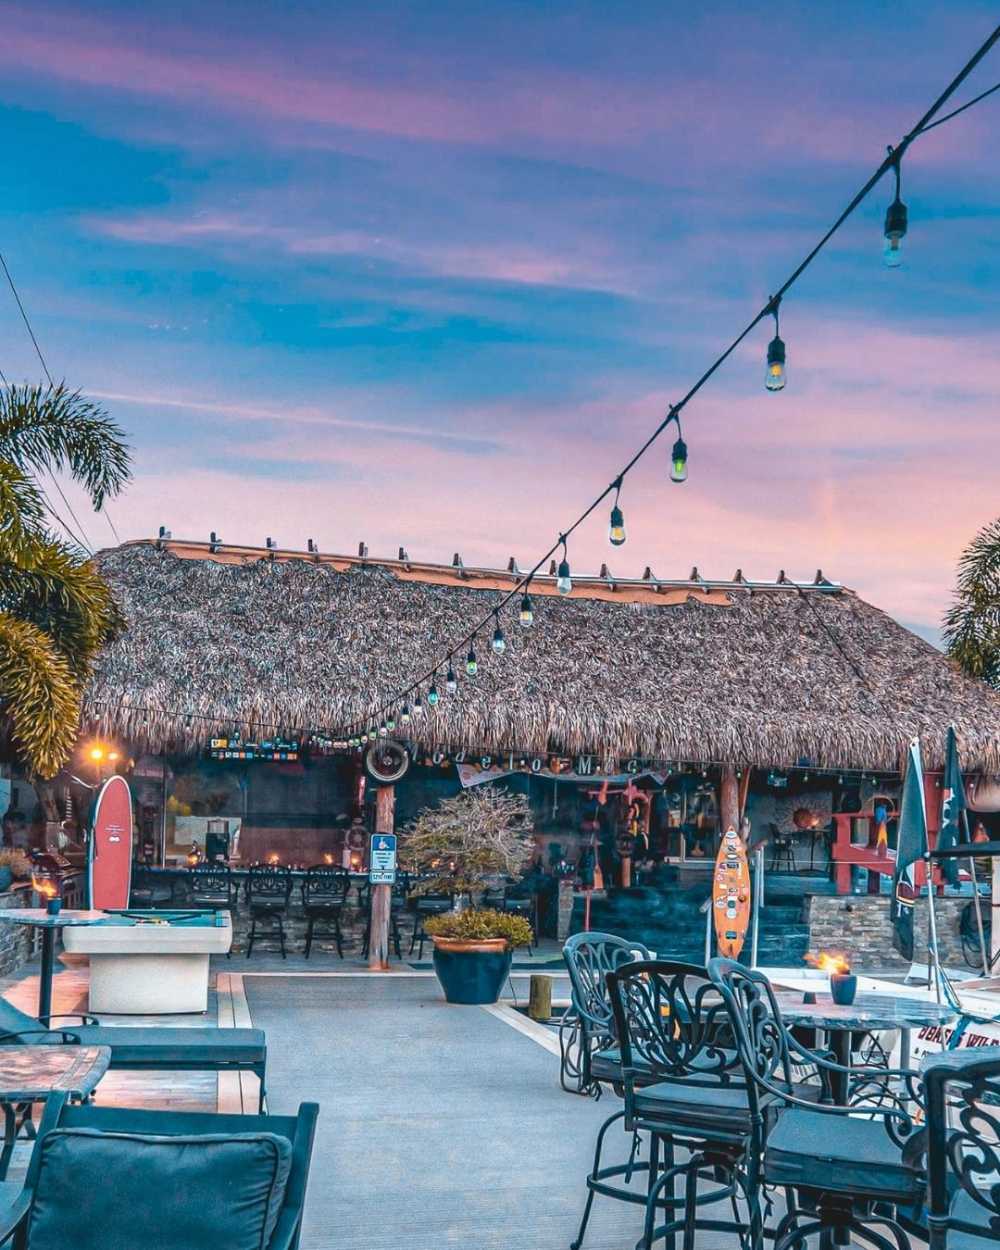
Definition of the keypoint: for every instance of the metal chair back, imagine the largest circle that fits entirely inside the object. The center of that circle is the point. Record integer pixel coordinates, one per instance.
(325, 886)
(963, 1146)
(589, 958)
(212, 882)
(269, 883)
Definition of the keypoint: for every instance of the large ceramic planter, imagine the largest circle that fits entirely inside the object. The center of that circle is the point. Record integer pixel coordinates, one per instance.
(471, 972)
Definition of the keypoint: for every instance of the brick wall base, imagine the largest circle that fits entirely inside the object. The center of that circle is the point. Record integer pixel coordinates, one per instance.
(859, 925)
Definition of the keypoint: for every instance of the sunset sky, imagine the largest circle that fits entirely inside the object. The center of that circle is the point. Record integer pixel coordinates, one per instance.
(427, 273)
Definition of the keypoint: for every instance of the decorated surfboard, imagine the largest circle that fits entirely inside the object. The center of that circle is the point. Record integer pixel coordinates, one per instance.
(109, 854)
(731, 895)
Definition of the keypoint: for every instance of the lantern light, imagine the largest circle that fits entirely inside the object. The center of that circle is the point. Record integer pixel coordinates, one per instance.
(451, 684)
(616, 525)
(775, 377)
(564, 583)
(895, 228)
(526, 616)
(471, 663)
(499, 643)
(432, 695)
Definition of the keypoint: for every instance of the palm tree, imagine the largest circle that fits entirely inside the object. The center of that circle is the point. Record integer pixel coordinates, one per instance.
(55, 610)
(972, 623)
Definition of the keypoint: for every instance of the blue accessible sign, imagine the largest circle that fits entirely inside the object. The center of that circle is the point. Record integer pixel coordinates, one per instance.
(382, 863)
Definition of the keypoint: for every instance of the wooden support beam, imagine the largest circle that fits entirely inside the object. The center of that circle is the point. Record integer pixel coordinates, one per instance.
(378, 942)
(729, 798)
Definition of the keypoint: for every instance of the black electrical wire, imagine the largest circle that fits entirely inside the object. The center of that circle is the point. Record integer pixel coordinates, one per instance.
(955, 112)
(891, 160)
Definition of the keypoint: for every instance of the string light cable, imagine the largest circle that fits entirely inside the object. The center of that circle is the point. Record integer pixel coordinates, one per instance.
(45, 368)
(891, 162)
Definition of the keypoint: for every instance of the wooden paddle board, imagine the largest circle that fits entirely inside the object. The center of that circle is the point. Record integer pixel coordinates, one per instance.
(109, 855)
(731, 895)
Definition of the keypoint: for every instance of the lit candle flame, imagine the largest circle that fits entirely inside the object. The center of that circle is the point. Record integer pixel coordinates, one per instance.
(273, 858)
(44, 886)
(830, 961)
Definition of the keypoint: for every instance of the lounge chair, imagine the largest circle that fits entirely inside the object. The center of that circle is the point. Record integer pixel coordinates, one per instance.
(112, 1178)
(151, 1048)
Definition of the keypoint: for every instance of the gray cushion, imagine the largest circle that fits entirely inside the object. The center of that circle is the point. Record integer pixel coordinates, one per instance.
(162, 1046)
(121, 1191)
(838, 1154)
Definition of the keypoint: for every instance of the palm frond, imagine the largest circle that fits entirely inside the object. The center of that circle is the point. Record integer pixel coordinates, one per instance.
(39, 696)
(972, 623)
(47, 584)
(22, 509)
(56, 428)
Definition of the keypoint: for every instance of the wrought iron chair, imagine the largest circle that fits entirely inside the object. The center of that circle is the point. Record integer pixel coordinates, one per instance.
(588, 1046)
(844, 1168)
(149, 889)
(684, 1085)
(269, 888)
(424, 906)
(213, 885)
(963, 1157)
(324, 892)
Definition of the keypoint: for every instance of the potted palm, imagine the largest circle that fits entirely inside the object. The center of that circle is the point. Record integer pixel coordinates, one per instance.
(461, 847)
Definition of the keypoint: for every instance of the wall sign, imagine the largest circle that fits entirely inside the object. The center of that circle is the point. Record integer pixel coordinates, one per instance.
(382, 862)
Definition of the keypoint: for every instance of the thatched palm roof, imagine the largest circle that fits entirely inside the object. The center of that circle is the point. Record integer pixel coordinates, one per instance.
(701, 671)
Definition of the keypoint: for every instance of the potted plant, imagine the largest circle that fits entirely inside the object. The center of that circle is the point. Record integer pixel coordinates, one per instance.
(461, 847)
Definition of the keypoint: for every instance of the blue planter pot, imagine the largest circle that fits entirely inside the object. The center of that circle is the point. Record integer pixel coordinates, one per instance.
(6, 878)
(472, 976)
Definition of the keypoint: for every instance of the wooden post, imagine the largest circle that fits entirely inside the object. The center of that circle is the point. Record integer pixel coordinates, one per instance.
(378, 941)
(729, 799)
(540, 997)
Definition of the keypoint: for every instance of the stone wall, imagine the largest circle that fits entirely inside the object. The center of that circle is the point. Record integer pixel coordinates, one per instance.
(15, 939)
(859, 926)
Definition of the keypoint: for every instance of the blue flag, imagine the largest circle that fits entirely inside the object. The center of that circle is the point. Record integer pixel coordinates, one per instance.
(952, 807)
(911, 843)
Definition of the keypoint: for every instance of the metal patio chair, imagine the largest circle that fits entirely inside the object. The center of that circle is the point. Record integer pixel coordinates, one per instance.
(963, 1148)
(324, 892)
(269, 889)
(844, 1168)
(213, 885)
(423, 907)
(115, 1178)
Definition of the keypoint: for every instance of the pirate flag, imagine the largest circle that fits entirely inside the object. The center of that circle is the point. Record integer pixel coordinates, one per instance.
(952, 807)
(910, 846)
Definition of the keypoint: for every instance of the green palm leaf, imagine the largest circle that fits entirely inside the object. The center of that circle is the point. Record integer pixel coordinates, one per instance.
(39, 695)
(972, 623)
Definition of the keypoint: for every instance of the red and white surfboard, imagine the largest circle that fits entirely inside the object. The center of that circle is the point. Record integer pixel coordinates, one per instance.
(109, 857)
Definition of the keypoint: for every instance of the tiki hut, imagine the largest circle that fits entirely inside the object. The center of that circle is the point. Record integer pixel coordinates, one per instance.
(743, 672)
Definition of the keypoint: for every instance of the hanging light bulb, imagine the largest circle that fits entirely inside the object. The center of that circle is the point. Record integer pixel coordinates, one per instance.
(451, 685)
(471, 664)
(390, 723)
(433, 696)
(679, 461)
(404, 716)
(526, 616)
(616, 525)
(564, 583)
(775, 376)
(418, 707)
(499, 643)
(895, 228)
(383, 730)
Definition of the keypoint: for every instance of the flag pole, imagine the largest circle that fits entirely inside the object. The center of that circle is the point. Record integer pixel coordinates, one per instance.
(933, 959)
(975, 900)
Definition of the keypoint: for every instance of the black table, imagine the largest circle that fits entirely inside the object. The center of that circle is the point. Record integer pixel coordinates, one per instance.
(39, 918)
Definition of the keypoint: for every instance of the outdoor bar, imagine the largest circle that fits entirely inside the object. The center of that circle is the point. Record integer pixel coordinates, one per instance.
(640, 719)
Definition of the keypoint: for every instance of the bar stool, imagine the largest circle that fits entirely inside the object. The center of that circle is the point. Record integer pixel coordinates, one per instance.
(324, 892)
(782, 850)
(269, 888)
(212, 885)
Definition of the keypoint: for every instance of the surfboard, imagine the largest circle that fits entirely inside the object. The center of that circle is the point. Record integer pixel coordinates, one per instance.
(109, 853)
(731, 895)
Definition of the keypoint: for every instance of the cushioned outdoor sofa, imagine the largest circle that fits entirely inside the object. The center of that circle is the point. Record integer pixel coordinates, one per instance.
(146, 1048)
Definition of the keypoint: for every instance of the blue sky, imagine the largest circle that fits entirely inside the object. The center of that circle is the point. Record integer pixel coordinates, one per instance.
(425, 274)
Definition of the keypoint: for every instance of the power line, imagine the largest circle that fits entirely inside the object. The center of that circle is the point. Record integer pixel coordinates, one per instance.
(45, 367)
(948, 116)
(891, 162)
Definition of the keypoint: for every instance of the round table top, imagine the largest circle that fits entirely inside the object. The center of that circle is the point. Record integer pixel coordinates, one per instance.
(31, 1073)
(868, 1011)
(40, 918)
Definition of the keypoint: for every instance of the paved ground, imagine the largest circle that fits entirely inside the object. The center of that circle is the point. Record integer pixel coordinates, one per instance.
(439, 1126)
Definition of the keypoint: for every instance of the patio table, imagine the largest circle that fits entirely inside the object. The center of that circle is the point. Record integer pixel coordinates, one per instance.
(868, 1013)
(28, 1074)
(39, 918)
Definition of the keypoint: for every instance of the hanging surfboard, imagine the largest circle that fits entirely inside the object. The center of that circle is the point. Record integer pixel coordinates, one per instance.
(731, 895)
(109, 853)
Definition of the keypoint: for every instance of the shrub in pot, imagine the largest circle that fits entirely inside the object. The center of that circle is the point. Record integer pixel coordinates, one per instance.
(473, 951)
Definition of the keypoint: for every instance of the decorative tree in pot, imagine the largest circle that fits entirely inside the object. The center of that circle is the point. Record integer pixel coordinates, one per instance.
(461, 847)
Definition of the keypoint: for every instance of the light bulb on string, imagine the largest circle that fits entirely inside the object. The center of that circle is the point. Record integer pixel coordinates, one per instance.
(451, 684)
(679, 453)
(471, 663)
(616, 524)
(404, 716)
(526, 616)
(432, 695)
(383, 730)
(418, 707)
(499, 643)
(564, 583)
(895, 227)
(775, 377)
(390, 723)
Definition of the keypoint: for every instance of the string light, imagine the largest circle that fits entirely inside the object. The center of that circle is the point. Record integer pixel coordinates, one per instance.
(526, 616)
(418, 707)
(404, 716)
(390, 723)
(451, 684)
(895, 226)
(433, 696)
(564, 583)
(616, 525)
(499, 643)
(471, 663)
(383, 730)
(775, 377)
(679, 453)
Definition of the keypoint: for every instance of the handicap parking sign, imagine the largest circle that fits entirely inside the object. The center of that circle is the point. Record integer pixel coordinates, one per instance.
(382, 861)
